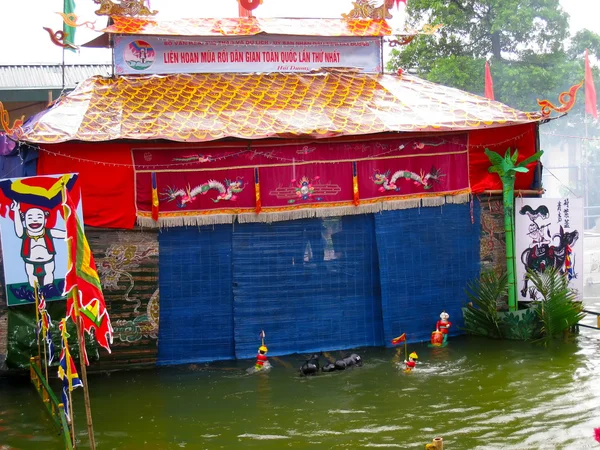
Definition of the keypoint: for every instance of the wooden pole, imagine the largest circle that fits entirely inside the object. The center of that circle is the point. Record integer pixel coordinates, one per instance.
(86, 392)
(80, 338)
(37, 296)
(69, 389)
(72, 418)
(37, 320)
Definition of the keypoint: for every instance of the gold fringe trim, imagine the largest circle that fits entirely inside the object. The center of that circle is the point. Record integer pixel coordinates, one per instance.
(267, 216)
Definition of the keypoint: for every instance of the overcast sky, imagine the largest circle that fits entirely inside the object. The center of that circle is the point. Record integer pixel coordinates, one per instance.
(23, 39)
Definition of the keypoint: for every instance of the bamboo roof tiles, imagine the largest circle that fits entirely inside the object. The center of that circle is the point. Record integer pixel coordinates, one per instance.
(205, 107)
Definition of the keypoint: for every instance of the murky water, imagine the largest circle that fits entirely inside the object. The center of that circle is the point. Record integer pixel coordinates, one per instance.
(476, 393)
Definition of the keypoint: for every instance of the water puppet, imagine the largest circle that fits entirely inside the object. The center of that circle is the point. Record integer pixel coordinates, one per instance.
(352, 360)
(262, 362)
(411, 363)
(311, 366)
(439, 337)
(443, 325)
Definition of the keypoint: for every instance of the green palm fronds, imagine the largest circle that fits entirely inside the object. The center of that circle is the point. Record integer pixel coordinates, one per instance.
(558, 309)
(481, 315)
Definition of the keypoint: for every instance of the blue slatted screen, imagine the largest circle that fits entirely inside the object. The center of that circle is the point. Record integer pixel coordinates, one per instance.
(196, 303)
(426, 258)
(311, 284)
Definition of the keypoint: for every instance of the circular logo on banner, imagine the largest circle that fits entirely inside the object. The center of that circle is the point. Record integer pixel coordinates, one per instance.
(139, 55)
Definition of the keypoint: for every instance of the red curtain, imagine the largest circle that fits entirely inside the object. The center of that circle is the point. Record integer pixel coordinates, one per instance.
(521, 137)
(105, 176)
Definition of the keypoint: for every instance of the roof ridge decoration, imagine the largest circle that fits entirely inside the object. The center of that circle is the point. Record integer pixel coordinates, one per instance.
(129, 8)
(370, 9)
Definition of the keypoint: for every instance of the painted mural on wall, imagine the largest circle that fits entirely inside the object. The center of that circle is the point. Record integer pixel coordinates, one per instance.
(128, 272)
(281, 182)
(549, 234)
(33, 232)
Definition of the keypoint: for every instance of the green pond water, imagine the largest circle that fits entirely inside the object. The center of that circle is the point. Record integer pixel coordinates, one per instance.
(475, 393)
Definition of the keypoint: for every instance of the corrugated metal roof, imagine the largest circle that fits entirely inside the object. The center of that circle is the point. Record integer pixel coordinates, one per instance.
(48, 76)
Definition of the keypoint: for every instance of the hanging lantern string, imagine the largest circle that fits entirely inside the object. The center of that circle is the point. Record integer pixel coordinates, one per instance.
(253, 152)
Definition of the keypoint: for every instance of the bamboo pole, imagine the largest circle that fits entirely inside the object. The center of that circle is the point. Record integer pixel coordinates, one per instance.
(86, 392)
(80, 339)
(72, 421)
(37, 296)
(37, 319)
(69, 389)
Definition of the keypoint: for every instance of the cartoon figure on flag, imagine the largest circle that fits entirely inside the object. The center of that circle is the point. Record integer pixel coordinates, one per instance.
(32, 233)
(67, 371)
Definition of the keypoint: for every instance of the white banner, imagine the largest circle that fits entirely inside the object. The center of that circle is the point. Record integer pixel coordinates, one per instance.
(160, 55)
(549, 233)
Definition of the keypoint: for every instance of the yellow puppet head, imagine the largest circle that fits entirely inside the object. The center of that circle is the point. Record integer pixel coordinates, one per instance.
(263, 349)
(413, 355)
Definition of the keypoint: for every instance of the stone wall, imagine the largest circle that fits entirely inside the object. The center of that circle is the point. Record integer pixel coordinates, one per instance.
(493, 243)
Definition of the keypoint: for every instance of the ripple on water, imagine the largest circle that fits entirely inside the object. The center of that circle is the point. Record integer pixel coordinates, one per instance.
(379, 429)
(263, 437)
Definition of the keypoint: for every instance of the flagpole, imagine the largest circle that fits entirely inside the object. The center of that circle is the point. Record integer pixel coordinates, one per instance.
(72, 416)
(72, 419)
(37, 303)
(80, 338)
(86, 392)
(37, 322)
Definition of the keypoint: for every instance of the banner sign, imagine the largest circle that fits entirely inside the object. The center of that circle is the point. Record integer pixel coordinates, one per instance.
(34, 249)
(215, 184)
(549, 233)
(159, 55)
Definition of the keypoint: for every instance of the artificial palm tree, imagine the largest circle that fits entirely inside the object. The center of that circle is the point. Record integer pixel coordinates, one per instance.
(507, 167)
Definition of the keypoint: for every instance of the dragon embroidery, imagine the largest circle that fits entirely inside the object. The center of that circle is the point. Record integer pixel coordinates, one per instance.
(389, 184)
(226, 192)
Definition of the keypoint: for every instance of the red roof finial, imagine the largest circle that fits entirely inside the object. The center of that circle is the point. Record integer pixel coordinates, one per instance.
(247, 6)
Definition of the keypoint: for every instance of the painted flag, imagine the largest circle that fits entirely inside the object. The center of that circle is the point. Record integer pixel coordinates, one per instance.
(82, 275)
(67, 371)
(43, 191)
(262, 335)
(399, 339)
(154, 198)
(69, 8)
(489, 83)
(590, 90)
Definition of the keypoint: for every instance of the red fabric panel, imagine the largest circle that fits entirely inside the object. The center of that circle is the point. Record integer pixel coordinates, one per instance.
(107, 190)
(310, 184)
(521, 137)
(183, 193)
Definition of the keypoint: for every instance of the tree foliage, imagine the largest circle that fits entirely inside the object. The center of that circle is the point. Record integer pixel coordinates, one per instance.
(522, 39)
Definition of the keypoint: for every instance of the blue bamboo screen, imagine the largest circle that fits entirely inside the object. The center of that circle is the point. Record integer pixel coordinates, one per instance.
(311, 284)
(196, 303)
(426, 258)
